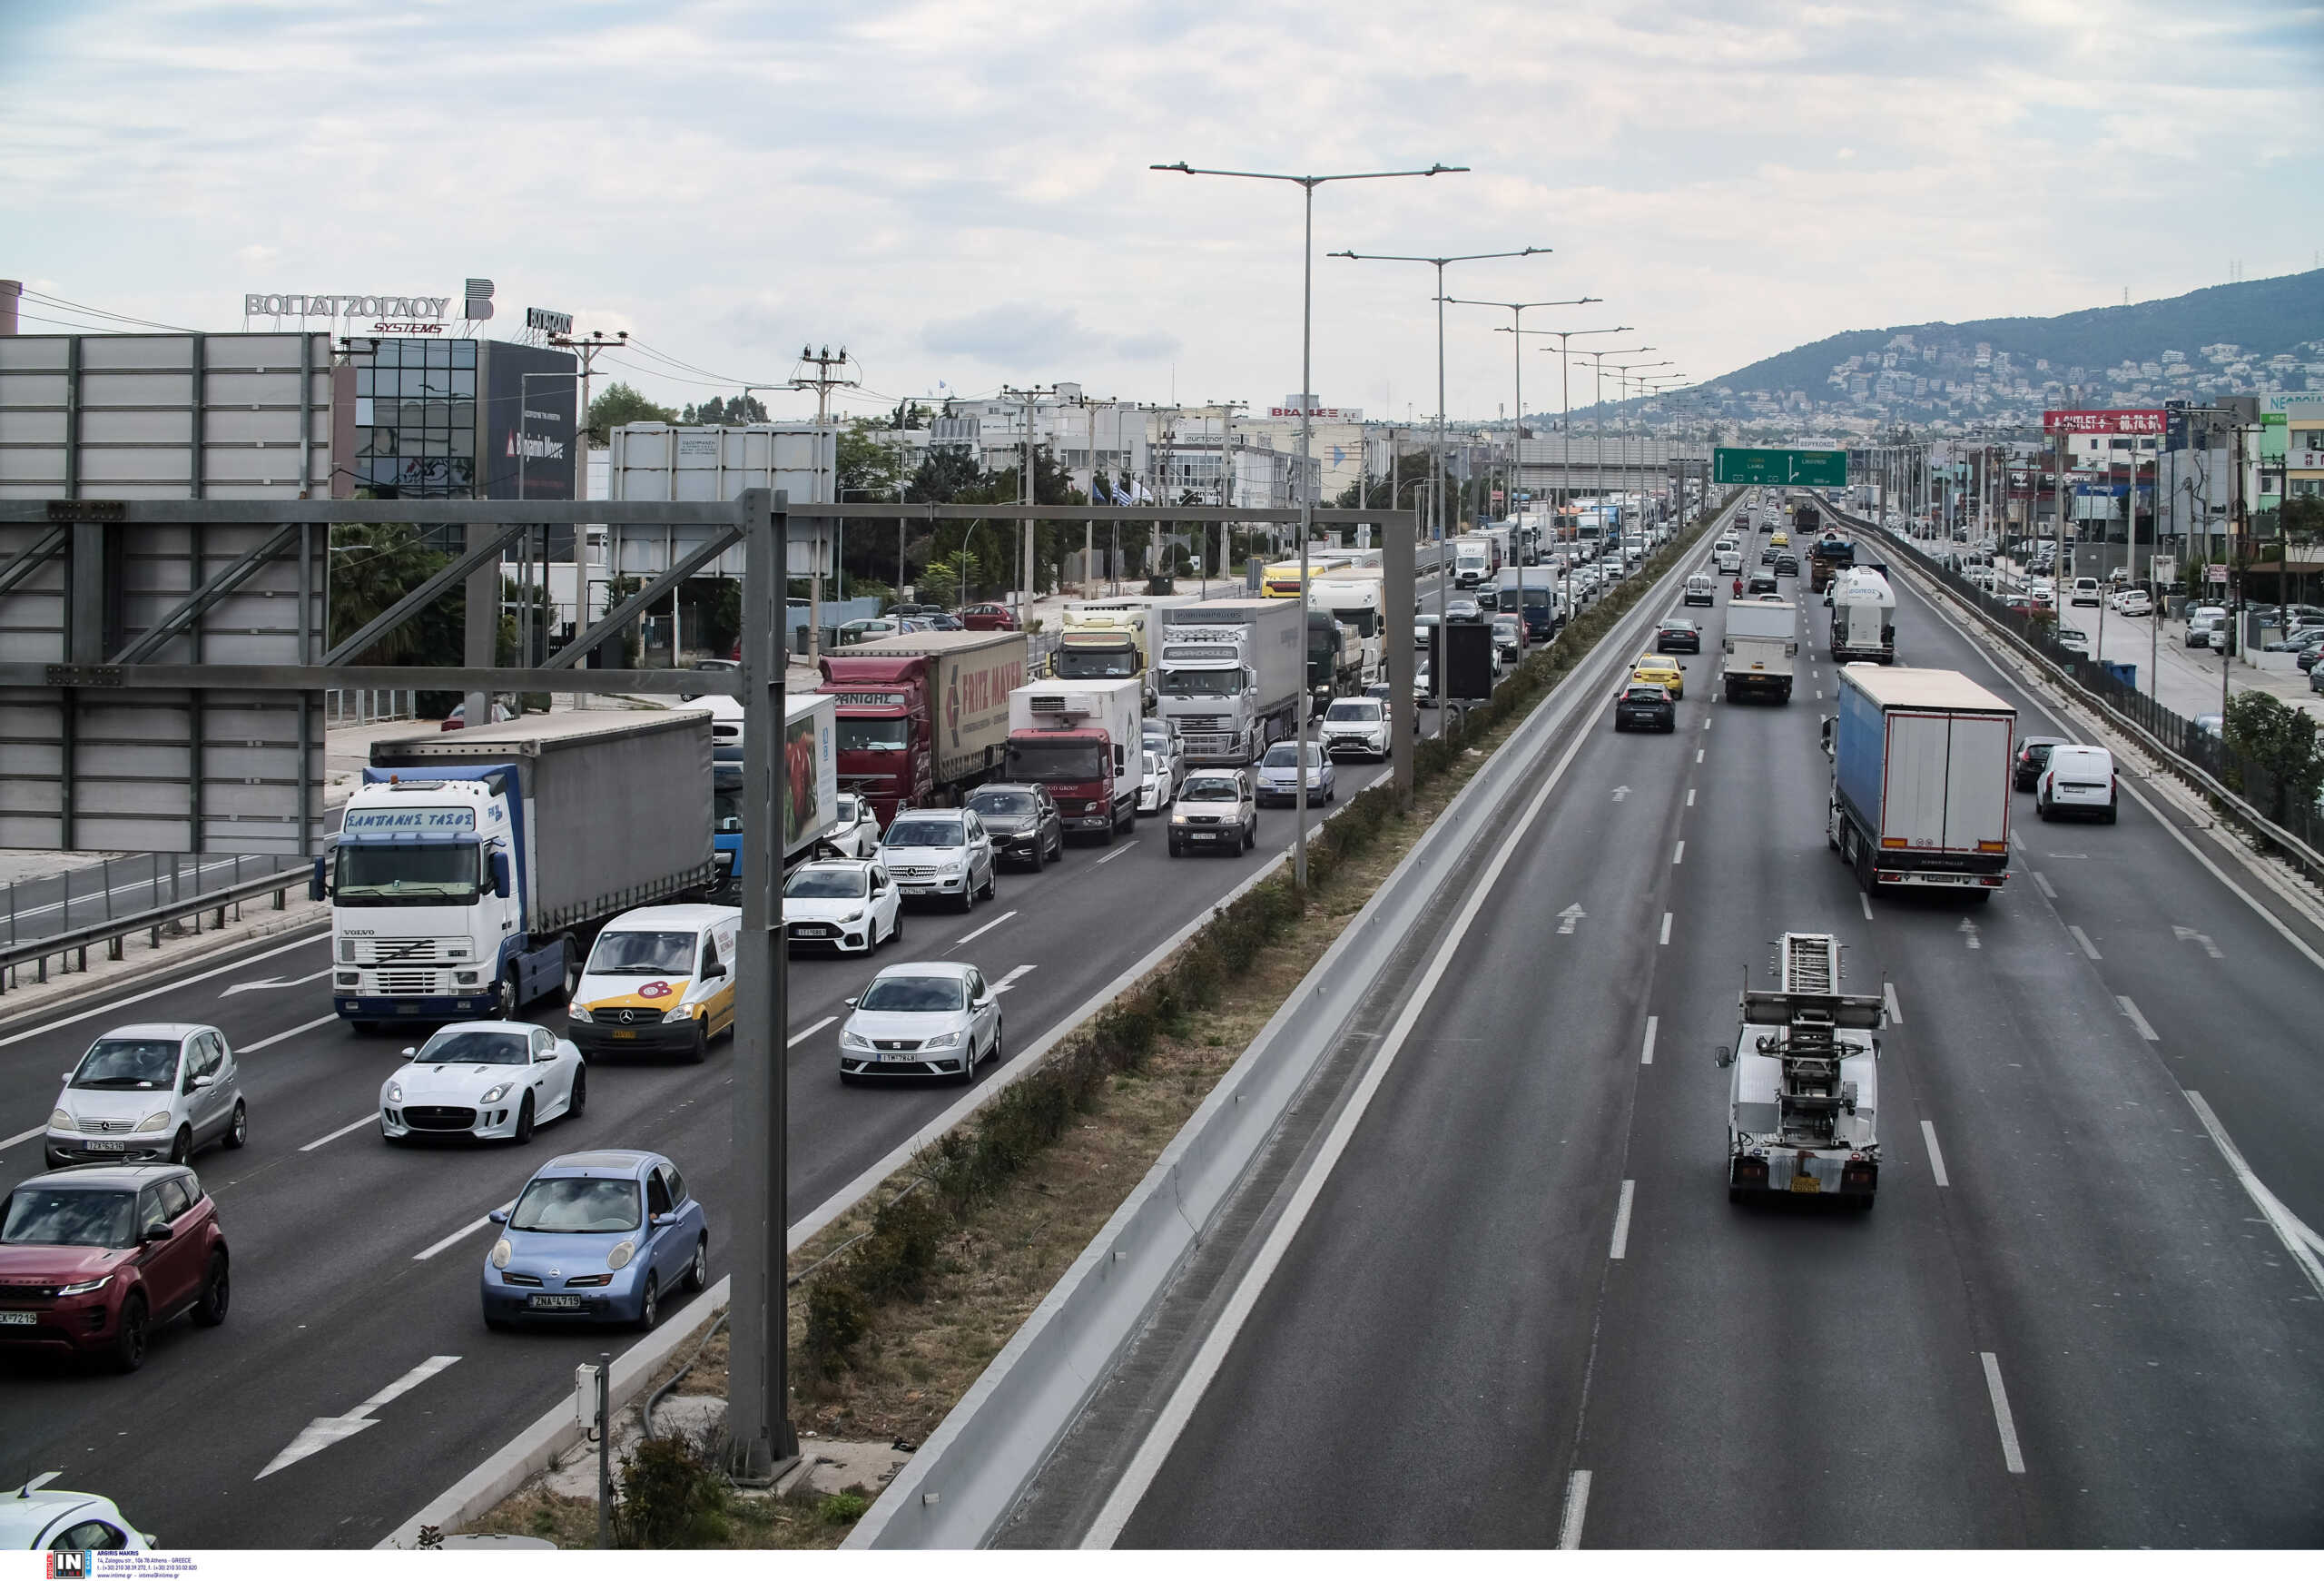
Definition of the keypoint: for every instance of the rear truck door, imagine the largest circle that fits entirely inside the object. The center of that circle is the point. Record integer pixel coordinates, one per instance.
(1913, 801)
(1977, 788)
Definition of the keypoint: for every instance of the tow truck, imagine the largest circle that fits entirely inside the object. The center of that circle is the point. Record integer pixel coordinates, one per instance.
(1805, 1092)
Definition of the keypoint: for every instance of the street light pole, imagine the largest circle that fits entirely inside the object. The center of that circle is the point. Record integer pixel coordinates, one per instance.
(1598, 419)
(1307, 185)
(1565, 393)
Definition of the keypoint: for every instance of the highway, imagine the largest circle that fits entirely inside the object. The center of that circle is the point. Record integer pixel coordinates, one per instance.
(355, 1263)
(1520, 1311)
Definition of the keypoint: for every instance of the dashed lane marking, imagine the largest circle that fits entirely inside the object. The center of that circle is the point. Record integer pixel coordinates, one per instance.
(2083, 938)
(2137, 1020)
(2041, 882)
(1620, 1246)
(1666, 928)
(804, 1032)
(1680, 854)
(2002, 1419)
(1895, 1012)
(294, 1031)
(1646, 1050)
(1577, 1505)
(1936, 1154)
(1865, 901)
(979, 932)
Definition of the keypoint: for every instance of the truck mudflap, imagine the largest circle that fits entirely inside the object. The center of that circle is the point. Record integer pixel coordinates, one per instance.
(1784, 1172)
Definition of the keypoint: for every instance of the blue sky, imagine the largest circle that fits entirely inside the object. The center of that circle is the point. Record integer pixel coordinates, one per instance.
(957, 190)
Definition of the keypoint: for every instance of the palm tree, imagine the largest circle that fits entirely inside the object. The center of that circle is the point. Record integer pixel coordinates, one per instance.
(371, 566)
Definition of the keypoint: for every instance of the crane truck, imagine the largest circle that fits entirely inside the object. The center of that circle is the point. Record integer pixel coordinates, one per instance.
(1805, 1090)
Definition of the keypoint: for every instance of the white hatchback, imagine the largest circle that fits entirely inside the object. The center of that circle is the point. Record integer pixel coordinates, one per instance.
(2078, 782)
(921, 1018)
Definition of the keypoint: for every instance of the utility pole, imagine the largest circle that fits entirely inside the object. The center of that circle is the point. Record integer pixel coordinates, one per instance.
(823, 381)
(1025, 492)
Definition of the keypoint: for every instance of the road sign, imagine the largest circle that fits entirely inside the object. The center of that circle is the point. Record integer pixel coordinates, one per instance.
(2215, 572)
(1809, 469)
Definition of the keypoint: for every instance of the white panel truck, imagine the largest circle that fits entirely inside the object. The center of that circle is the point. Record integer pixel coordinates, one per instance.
(1806, 1089)
(1086, 741)
(1864, 617)
(1473, 560)
(472, 869)
(1230, 675)
(1754, 657)
(1921, 775)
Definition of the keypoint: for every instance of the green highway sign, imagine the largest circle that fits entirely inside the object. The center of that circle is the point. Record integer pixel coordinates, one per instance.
(1808, 468)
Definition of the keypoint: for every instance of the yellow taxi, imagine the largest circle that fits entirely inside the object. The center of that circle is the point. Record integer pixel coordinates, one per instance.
(1781, 540)
(1660, 669)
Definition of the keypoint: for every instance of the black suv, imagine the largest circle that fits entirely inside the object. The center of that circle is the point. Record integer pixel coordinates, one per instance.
(1023, 821)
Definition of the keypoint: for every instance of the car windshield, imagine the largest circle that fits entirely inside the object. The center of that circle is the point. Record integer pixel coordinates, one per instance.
(44, 1216)
(1004, 804)
(1218, 683)
(1364, 713)
(827, 884)
(474, 1047)
(128, 1062)
(576, 1205)
(726, 809)
(1285, 755)
(624, 953)
(845, 809)
(910, 994)
(1677, 625)
(402, 874)
(874, 735)
(1644, 695)
(1054, 762)
(1096, 663)
(1209, 790)
(933, 833)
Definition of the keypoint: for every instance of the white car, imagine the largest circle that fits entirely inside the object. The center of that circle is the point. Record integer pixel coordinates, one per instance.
(2080, 781)
(2074, 640)
(63, 1522)
(940, 851)
(1155, 791)
(842, 905)
(2085, 591)
(153, 1090)
(1279, 775)
(2136, 601)
(1356, 724)
(855, 827)
(2204, 624)
(921, 1018)
(1166, 744)
(491, 1079)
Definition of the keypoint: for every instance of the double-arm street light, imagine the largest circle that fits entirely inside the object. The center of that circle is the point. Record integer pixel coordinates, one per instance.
(1307, 185)
(1621, 382)
(1597, 423)
(1565, 393)
(1655, 387)
(1517, 443)
(1436, 466)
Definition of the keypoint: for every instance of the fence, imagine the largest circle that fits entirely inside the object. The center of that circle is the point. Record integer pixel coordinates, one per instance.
(121, 887)
(343, 706)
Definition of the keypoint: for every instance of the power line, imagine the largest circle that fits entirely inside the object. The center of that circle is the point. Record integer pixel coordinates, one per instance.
(58, 302)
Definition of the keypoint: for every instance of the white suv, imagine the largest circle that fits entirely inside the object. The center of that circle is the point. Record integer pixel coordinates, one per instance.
(2086, 590)
(2078, 780)
(940, 851)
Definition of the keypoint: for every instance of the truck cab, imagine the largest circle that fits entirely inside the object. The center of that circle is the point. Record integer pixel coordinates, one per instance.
(1084, 743)
(885, 750)
(1101, 642)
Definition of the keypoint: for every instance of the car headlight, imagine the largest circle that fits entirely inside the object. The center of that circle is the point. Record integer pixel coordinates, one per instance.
(618, 1258)
(1177, 818)
(59, 1120)
(854, 916)
(395, 1092)
(85, 1286)
(683, 1012)
(948, 1040)
(494, 1094)
(158, 1121)
(503, 1254)
(577, 1011)
(849, 1040)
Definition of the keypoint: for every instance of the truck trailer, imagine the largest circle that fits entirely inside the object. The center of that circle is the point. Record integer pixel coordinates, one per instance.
(808, 767)
(1756, 656)
(472, 869)
(923, 718)
(1921, 773)
(1230, 675)
(1085, 740)
(1863, 617)
(1803, 1100)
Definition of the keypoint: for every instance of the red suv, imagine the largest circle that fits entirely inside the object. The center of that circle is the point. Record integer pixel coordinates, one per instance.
(988, 617)
(94, 1258)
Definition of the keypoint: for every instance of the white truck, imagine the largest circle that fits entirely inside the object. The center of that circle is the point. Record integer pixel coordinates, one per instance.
(1085, 740)
(1104, 640)
(473, 868)
(1352, 595)
(1864, 617)
(1756, 656)
(1472, 559)
(1922, 766)
(1230, 675)
(1805, 1096)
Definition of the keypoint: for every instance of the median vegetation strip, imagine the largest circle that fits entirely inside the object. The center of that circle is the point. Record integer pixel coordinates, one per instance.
(909, 1297)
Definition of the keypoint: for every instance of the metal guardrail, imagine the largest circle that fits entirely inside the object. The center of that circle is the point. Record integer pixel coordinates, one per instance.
(73, 946)
(43, 906)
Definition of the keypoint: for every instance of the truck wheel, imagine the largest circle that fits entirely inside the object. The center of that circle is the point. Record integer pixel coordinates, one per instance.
(1784, 695)
(504, 996)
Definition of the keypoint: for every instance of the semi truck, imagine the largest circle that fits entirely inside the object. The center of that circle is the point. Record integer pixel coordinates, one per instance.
(1334, 657)
(1804, 1098)
(923, 718)
(472, 870)
(1756, 656)
(1827, 557)
(1230, 676)
(808, 765)
(1863, 617)
(1921, 775)
(1085, 741)
(1103, 641)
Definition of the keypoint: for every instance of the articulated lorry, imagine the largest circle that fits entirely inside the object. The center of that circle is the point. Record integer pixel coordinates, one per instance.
(1353, 597)
(1921, 773)
(1104, 640)
(1085, 741)
(472, 870)
(923, 718)
(1230, 675)
(1863, 617)
(1756, 656)
(1805, 1095)
(808, 765)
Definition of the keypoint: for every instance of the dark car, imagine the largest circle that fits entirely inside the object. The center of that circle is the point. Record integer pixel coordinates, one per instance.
(1504, 635)
(2032, 757)
(1758, 583)
(1678, 635)
(1767, 555)
(1023, 821)
(1463, 610)
(1641, 706)
(94, 1258)
(988, 617)
(1787, 565)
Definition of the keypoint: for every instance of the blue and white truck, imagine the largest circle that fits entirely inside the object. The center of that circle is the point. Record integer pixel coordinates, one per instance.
(472, 869)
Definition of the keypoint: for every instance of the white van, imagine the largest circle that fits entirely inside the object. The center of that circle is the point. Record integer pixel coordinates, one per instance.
(1701, 589)
(659, 978)
(2085, 591)
(2078, 781)
(2204, 623)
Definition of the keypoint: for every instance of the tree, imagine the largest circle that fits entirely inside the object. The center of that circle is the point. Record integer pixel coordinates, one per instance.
(744, 409)
(2281, 743)
(2303, 518)
(371, 568)
(868, 467)
(620, 403)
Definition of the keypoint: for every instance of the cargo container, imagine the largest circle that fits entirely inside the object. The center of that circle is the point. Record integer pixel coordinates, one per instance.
(1921, 772)
(1230, 676)
(923, 716)
(1085, 740)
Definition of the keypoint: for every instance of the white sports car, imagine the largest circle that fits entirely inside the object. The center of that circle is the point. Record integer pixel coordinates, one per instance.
(484, 1078)
(850, 906)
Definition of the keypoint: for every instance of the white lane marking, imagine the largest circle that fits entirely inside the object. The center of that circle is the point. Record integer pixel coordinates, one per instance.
(1646, 1050)
(1577, 1505)
(1936, 1155)
(2083, 938)
(462, 1233)
(1896, 1010)
(1666, 928)
(342, 1130)
(2302, 1242)
(1621, 1242)
(23, 1136)
(2042, 883)
(804, 1032)
(979, 932)
(2137, 1020)
(1680, 854)
(43, 1480)
(1690, 798)
(111, 1007)
(294, 1031)
(1571, 915)
(1125, 851)
(1699, 754)
(1819, 694)
(1009, 982)
(324, 1431)
(2002, 1420)
(273, 982)
(2210, 947)
(1968, 931)
(1865, 901)
(2017, 839)
(1706, 724)
(1139, 1476)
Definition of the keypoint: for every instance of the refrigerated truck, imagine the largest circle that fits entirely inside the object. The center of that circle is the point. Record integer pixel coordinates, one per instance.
(472, 869)
(1757, 653)
(1085, 740)
(1921, 776)
(1230, 675)
(806, 765)
(923, 718)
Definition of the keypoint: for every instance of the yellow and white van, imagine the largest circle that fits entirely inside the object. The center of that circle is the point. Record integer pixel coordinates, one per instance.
(659, 978)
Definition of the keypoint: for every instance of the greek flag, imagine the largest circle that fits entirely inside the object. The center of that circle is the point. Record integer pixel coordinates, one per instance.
(1122, 494)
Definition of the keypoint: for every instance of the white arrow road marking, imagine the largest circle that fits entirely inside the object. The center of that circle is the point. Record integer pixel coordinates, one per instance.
(1621, 792)
(2184, 934)
(1968, 931)
(324, 1431)
(273, 982)
(1571, 915)
(2302, 1242)
(979, 932)
(1009, 982)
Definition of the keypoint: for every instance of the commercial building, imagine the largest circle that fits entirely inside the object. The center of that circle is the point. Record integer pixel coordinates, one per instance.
(428, 418)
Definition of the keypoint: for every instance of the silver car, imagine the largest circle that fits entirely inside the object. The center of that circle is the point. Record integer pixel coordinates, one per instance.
(921, 1018)
(153, 1090)
(939, 852)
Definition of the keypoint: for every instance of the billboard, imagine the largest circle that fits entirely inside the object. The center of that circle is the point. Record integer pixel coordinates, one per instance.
(528, 399)
(2117, 420)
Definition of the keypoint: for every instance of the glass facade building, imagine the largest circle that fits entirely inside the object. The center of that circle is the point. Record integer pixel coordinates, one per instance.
(416, 430)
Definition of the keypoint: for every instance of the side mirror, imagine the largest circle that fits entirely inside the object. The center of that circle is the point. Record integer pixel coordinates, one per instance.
(498, 1215)
(718, 968)
(663, 1221)
(411, 1053)
(155, 1232)
(315, 887)
(500, 874)
(851, 1003)
(199, 1083)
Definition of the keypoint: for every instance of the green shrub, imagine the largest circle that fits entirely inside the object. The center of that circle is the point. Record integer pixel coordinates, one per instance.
(842, 1509)
(672, 1497)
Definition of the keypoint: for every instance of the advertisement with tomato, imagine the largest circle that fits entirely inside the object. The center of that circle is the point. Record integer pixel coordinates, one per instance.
(803, 810)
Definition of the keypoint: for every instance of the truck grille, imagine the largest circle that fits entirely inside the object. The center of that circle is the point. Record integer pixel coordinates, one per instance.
(402, 952)
(1201, 722)
(406, 983)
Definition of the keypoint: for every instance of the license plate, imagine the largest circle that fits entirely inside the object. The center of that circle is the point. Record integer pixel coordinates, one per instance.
(1806, 1184)
(555, 1303)
(105, 1146)
(18, 1319)
(625, 1034)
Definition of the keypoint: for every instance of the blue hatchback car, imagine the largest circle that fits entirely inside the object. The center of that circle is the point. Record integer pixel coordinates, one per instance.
(596, 1237)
